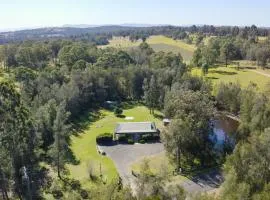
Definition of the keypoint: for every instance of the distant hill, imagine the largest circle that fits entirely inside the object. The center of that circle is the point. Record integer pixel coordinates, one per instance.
(82, 31)
(58, 32)
(124, 25)
(103, 33)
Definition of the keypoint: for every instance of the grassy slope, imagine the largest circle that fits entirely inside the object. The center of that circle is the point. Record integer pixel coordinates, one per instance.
(155, 163)
(162, 39)
(159, 164)
(84, 145)
(230, 74)
(158, 43)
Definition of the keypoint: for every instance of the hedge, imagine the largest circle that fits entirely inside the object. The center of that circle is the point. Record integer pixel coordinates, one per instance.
(118, 111)
(141, 141)
(150, 137)
(130, 141)
(105, 137)
(122, 138)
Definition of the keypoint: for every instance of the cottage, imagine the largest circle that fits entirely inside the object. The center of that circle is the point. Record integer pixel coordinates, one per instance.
(135, 130)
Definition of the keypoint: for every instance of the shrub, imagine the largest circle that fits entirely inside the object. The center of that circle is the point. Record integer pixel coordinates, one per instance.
(106, 137)
(57, 194)
(84, 194)
(156, 137)
(75, 184)
(130, 141)
(205, 68)
(122, 138)
(118, 111)
(141, 141)
(149, 137)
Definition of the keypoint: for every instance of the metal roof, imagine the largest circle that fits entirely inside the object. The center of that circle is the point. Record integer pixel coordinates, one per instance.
(136, 127)
(166, 120)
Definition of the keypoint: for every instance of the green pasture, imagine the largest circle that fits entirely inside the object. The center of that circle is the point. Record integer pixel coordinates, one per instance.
(232, 74)
(158, 43)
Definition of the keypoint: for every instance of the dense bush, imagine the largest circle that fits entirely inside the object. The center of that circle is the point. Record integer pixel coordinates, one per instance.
(141, 141)
(75, 184)
(130, 141)
(118, 111)
(122, 138)
(105, 137)
(57, 194)
(150, 137)
(84, 194)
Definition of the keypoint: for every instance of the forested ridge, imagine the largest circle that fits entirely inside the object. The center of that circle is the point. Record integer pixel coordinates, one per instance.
(46, 85)
(135, 33)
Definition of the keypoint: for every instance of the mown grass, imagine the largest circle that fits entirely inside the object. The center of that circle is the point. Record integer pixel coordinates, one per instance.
(262, 39)
(159, 164)
(83, 145)
(169, 41)
(231, 74)
(158, 43)
(155, 162)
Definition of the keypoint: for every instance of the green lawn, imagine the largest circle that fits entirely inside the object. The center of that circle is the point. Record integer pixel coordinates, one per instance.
(83, 145)
(231, 74)
(159, 164)
(158, 43)
(156, 162)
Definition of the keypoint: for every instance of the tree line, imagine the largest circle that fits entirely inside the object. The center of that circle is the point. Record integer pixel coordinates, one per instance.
(100, 35)
(229, 48)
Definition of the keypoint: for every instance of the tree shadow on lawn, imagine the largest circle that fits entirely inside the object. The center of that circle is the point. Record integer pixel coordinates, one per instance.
(158, 116)
(212, 78)
(79, 126)
(223, 72)
(121, 116)
(130, 104)
(85, 120)
(71, 158)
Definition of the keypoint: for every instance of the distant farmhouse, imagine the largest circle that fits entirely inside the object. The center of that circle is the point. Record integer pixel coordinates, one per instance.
(135, 130)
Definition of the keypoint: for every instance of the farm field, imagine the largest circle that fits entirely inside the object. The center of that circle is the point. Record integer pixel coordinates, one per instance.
(231, 74)
(83, 145)
(158, 43)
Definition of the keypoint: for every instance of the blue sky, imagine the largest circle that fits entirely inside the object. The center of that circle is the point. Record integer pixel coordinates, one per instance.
(44, 13)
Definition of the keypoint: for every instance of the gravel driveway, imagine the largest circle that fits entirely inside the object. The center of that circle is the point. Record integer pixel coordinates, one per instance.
(124, 155)
(204, 182)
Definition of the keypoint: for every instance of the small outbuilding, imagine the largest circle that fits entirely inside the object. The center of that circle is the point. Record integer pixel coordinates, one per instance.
(135, 130)
(110, 104)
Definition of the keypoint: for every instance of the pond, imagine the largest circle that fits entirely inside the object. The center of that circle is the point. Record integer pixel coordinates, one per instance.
(224, 129)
